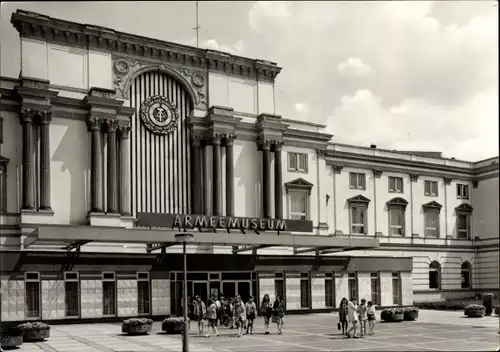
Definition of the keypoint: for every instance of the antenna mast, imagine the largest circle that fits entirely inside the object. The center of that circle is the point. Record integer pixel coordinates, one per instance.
(197, 28)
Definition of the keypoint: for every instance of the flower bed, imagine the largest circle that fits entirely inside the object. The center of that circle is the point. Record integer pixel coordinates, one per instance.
(11, 338)
(475, 311)
(137, 326)
(442, 305)
(34, 331)
(410, 313)
(173, 325)
(392, 315)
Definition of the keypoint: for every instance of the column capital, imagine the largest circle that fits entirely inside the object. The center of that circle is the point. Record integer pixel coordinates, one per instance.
(28, 115)
(45, 117)
(265, 144)
(124, 131)
(278, 145)
(112, 125)
(216, 138)
(94, 123)
(196, 140)
(229, 138)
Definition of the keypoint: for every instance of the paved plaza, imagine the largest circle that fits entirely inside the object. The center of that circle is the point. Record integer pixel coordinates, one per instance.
(434, 331)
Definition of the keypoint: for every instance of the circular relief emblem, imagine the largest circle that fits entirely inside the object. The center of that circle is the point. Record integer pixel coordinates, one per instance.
(197, 79)
(121, 66)
(159, 115)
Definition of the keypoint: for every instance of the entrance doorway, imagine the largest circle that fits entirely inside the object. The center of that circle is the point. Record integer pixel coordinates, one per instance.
(243, 288)
(201, 288)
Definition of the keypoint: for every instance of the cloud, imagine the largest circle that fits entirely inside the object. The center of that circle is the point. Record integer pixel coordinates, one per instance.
(236, 49)
(354, 66)
(429, 74)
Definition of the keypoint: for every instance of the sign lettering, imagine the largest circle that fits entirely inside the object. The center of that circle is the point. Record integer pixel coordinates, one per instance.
(227, 222)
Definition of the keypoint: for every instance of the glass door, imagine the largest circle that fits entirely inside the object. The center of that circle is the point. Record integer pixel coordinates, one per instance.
(244, 290)
(229, 288)
(201, 288)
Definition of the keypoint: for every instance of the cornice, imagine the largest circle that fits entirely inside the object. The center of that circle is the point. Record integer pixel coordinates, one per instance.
(53, 30)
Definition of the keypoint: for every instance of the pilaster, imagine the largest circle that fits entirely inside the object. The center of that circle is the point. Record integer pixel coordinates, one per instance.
(28, 173)
(217, 174)
(266, 178)
(45, 117)
(229, 139)
(278, 181)
(112, 164)
(94, 125)
(124, 133)
(196, 174)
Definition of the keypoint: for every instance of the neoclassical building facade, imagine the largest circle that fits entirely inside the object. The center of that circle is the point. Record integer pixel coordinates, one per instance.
(110, 144)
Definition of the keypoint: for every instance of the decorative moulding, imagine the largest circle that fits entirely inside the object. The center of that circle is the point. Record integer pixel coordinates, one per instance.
(298, 184)
(432, 205)
(360, 199)
(447, 181)
(377, 173)
(414, 177)
(397, 202)
(37, 26)
(464, 208)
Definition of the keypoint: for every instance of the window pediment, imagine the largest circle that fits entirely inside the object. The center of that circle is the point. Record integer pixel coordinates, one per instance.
(397, 202)
(359, 199)
(299, 184)
(432, 205)
(464, 208)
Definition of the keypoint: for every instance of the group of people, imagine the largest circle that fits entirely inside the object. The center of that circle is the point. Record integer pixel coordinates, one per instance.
(356, 315)
(233, 312)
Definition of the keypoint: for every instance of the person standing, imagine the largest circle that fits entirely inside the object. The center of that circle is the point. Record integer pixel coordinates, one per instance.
(239, 314)
(212, 317)
(370, 313)
(218, 310)
(266, 310)
(343, 315)
(279, 313)
(362, 317)
(250, 309)
(352, 314)
(200, 313)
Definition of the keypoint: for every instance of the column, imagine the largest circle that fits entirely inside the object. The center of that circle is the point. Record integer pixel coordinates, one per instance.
(112, 182)
(229, 176)
(266, 178)
(94, 125)
(27, 116)
(278, 182)
(124, 170)
(196, 198)
(217, 175)
(45, 119)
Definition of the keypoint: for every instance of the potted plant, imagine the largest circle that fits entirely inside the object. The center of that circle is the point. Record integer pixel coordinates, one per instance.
(475, 311)
(137, 326)
(11, 338)
(386, 315)
(173, 325)
(410, 313)
(34, 331)
(397, 314)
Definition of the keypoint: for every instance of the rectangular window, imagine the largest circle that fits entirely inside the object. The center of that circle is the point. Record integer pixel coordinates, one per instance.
(433, 278)
(357, 180)
(299, 203)
(463, 226)
(395, 184)
(297, 162)
(358, 219)
(143, 296)
(108, 294)
(396, 221)
(431, 223)
(396, 289)
(3, 187)
(431, 188)
(375, 288)
(305, 291)
(279, 287)
(352, 281)
(72, 293)
(32, 295)
(462, 191)
(329, 290)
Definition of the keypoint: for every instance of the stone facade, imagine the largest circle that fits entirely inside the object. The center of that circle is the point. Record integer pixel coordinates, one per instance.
(161, 296)
(91, 299)
(53, 299)
(127, 298)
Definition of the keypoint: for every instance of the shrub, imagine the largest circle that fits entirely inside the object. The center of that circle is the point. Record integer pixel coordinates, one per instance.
(173, 325)
(34, 331)
(475, 311)
(410, 313)
(388, 315)
(137, 321)
(33, 326)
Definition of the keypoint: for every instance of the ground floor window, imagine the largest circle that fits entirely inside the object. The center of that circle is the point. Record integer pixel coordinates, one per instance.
(396, 289)
(108, 294)
(353, 285)
(143, 296)
(32, 295)
(72, 294)
(434, 275)
(465, 274)
(329, 290)
(375, 288)
(279, 286)
(305, 290)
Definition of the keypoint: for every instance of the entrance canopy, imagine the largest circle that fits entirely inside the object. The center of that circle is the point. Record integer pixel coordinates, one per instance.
(68, 237)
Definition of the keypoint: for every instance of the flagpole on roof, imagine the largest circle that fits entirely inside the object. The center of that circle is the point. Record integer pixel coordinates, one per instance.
(197, 28)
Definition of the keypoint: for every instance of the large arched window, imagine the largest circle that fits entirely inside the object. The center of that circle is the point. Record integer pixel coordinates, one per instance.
(435, 275)
(466, 275)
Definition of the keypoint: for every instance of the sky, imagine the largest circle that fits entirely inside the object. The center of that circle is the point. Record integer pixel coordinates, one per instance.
(402, 75)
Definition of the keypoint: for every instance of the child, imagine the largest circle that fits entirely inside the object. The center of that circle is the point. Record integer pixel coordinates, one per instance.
(212, 317)
(370, 313)
(362, 317)
(250, 309)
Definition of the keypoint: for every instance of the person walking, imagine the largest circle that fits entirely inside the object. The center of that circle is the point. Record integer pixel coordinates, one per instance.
(266, 310)
(250, 309)
(218, 306)
(212, 317)
(200, 313)
(278, 313)
(343, 315)
(239, 314)
(352, 314)
(370, 313)
(362, 317)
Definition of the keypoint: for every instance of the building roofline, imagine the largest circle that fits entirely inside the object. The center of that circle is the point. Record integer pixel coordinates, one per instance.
(54, 30)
